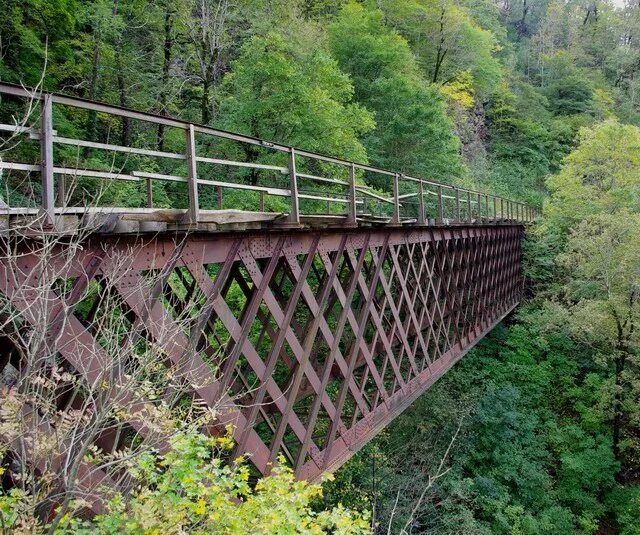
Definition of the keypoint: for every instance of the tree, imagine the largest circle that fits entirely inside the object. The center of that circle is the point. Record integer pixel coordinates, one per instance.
(413, 133)
(447, 41)
(292, 91)
(603, 256)
(595, 207)
(601, 175)
(208, 30)
(37, 38)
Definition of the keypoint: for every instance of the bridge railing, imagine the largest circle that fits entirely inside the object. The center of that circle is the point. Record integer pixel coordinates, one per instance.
(202, 167)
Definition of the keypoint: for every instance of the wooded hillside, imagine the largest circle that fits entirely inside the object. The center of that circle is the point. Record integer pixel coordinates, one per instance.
(536, 431)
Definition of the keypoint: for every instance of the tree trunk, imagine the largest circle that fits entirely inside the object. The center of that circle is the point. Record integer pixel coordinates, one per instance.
(441, 52)
(93, 86)
(168, 45)
(617, 407)
(522, 24)
(125, 138)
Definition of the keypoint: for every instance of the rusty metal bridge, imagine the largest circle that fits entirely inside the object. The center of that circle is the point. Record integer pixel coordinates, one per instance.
(316, 314)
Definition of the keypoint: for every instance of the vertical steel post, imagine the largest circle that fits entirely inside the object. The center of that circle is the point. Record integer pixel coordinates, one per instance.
(396, 200)
(294, 216)
(495, 210)
(501, 208)
(46, 162)
(480, 208)
(352, 213)
(421, 216)
(486, 206)
(440, 206)
(470, 214)
(219, 197)
(457, 205)
(192, 176)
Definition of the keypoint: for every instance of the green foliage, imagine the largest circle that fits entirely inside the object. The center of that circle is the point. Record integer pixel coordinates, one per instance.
(413, 133)
(36, 33)
(625, 502)
(526, 142)
(601, 176)
(569, 96)
(295, 93)
(190, 489)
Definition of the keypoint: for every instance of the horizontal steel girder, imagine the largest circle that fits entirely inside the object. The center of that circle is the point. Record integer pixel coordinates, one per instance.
(313, 341)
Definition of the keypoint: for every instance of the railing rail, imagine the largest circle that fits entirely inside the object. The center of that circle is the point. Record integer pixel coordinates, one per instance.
(466, 206)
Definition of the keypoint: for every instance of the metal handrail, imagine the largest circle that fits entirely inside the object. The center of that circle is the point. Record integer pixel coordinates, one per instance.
(510, 210)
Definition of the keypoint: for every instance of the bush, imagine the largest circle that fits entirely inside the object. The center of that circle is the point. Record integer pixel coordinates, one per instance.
(190, 489)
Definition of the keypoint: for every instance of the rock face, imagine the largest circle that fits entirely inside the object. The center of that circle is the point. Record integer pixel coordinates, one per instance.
(475, 138)
(471, 128)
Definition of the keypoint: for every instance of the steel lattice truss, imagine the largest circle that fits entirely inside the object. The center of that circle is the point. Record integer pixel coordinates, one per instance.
(314, 341)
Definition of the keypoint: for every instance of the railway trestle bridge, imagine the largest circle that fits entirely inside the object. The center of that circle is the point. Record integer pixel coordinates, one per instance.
(309, 319)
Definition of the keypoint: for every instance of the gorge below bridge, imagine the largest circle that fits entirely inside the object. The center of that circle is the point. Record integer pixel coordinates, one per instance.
(306, 330)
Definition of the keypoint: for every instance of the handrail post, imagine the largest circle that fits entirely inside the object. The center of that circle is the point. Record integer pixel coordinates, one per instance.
(469, 215)
(46, 162)
(440, 206)
(480, 208)
(495, 210)
(294, 216)
(352, 215)
(192, 176)
(486, 206)
(396, 200)
(421, 218)
(501, 209)
(457, 205)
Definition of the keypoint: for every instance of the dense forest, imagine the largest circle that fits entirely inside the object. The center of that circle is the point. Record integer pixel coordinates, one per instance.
(537, 430)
